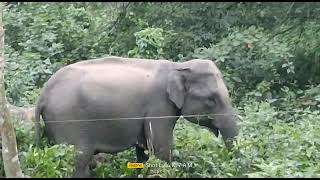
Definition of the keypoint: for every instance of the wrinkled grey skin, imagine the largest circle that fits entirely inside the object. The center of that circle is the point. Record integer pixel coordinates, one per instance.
(116, 87)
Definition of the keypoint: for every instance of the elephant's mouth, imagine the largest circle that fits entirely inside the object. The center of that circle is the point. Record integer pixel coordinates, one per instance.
(210, 117)
(207, 120)
(215, 131)
(203, 119)
(209, 124)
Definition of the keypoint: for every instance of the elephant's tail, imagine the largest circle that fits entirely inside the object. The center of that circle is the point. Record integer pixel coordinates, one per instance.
(38, 111)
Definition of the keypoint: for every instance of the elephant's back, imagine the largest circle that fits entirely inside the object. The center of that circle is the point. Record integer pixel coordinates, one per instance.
(94, 92)
(101, 87)
(108, 65)
(114, 60)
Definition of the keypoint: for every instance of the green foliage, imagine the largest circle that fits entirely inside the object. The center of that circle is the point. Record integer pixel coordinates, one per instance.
(21, 73)
(55, 161)
(115, 166)
(51, 162)
(43, 37)
(296, 143)
(248, 57)
(198, 153)
(304, 42)
(149, 43)
(297, 102)
(24, 134)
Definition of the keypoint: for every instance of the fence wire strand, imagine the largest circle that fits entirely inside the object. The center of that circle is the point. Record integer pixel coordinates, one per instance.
(183, 116)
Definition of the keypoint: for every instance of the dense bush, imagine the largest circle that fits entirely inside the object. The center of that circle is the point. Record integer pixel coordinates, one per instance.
(50, 162)
(251, 41)
(268, 146)
(149, 44)
(305, 45)
(47, 161)
(248, 57)
(43, 37)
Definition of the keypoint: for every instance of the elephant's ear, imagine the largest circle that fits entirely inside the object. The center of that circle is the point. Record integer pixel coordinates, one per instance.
(176, 86)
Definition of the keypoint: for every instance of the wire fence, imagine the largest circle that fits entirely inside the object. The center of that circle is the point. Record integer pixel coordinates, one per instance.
(210, 116)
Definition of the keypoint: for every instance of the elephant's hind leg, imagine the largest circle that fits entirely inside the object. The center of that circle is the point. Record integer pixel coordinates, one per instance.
(82, 160)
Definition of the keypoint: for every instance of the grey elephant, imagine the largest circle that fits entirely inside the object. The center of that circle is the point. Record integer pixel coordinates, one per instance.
(111, 104)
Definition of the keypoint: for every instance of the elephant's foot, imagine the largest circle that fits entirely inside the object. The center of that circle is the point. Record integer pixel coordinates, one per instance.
(141, 158)
(83, 157)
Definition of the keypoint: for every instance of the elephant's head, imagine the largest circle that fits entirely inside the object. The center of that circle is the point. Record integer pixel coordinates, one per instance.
(197, 87)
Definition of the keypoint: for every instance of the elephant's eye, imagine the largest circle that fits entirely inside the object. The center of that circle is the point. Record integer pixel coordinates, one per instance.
(211, 101)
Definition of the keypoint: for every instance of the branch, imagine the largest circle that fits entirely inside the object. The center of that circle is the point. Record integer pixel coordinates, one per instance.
(122, 14)
(288, 13)
(288, 29)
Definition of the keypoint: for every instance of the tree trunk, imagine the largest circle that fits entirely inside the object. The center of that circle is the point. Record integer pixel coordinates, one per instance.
(9, 144)
(21, 113)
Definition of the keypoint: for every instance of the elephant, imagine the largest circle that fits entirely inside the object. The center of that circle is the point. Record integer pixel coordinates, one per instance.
(111, 104)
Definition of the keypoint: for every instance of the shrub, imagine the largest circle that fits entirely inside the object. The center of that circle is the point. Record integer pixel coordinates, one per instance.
(304, 44)
(198, 153)
(51, 162)
(43, 37)
(268, 145)
(248, 57)
(150, 43)
(54, 161)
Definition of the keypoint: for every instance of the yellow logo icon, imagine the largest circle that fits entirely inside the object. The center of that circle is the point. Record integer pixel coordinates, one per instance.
(135, 165)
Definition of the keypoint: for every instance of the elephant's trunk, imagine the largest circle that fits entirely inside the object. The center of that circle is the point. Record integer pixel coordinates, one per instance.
(227, 126)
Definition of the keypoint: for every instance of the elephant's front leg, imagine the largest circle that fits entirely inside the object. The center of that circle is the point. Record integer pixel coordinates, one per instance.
(159, 136)
(141, 157)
